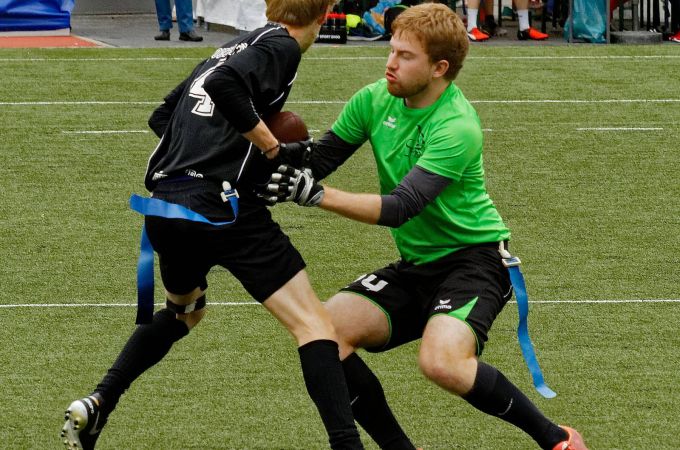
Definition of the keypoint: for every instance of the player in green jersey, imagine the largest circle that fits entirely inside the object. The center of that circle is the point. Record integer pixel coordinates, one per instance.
(450, 283)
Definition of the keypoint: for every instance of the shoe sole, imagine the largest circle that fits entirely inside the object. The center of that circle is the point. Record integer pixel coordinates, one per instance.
(532, 39)
(76, 420)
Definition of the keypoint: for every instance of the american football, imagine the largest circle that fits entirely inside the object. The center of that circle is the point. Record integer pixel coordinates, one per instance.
(287, 126)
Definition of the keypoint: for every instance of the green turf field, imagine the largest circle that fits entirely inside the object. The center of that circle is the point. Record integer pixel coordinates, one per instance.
(583, 161)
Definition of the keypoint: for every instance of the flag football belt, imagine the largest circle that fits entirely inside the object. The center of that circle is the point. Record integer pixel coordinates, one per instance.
(517, 280)
(159, 208)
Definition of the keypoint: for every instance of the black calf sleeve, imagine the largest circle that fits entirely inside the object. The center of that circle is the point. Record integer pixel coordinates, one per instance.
(148, 344)
(326, 385)
(370, 407)
(495, 395)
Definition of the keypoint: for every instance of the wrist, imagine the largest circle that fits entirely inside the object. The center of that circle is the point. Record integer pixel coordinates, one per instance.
(271, 149)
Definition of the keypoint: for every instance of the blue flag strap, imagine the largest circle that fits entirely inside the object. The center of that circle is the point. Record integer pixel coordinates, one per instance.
(160, 208)
(517, 280)
(145, 282)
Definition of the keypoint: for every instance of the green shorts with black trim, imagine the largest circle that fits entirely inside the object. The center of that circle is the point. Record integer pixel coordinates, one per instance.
(471, 284)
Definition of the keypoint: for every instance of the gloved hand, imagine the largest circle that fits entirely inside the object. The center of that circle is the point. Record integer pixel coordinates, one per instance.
(296, 154)
(290, 184)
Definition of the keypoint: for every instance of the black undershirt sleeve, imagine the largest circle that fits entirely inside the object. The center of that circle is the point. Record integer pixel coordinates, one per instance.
(232, 99)
(330, 152)
(160, 118)
(418, 188)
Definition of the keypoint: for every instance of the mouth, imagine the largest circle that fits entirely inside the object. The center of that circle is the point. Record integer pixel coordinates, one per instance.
(390, 77)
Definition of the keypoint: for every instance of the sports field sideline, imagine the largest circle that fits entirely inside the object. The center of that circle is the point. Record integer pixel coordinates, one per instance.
(582, 160)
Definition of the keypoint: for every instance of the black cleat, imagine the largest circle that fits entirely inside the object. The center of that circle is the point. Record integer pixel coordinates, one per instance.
(84, 422)
(164, 36)
(190, 36)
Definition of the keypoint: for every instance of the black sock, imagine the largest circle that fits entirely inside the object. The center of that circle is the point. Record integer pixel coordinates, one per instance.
(495, 395)
(148, 344)
(326, 385)
(370, 407)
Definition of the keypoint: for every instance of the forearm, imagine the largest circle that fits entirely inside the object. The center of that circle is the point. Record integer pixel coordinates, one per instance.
(263, 139)
(360, 207)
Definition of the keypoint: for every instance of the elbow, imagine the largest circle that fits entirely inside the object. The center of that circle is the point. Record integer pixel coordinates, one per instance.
(393, 222)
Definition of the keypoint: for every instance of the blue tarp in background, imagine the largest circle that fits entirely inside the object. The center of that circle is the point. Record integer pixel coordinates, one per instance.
(33, 15)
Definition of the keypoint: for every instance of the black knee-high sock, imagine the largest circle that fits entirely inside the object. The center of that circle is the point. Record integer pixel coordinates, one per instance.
(148, 344)
(494, 394)
(326, 385)
(370, 407)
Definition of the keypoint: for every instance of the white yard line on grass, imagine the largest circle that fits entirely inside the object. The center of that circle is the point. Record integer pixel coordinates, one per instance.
(348, 58)
(245, 303)
(620, 129)
(77, 103)
(342, 102)
(104, 131)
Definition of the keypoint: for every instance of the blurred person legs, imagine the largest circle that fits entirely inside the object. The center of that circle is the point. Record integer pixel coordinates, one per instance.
(526, 32)
(473, 31)
(488, 22)
(185, 20)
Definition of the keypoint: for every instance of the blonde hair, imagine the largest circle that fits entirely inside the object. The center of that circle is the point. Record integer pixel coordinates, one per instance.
(439, 30)
(299, 13)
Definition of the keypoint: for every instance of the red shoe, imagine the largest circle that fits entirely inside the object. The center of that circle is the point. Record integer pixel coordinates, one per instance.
(573, 442)
(477, 35)
(675, 37)
(530, 33)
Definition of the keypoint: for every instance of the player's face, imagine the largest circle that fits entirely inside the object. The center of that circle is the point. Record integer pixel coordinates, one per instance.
(408, 70)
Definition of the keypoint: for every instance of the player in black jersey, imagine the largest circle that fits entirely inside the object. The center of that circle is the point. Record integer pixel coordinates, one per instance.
(211, 132)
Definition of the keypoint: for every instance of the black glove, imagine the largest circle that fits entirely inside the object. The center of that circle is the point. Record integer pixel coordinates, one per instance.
(296, 154)
(290, 184)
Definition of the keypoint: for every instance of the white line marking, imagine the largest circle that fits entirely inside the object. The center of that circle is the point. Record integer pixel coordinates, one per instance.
(509, 101)
(105, 131)
(344, 58)
(621, 129)
(611, 100)
(158, 102)
(118, 305)
(342, 102)
(566, 57)
(109, 305)
(97, 59)
(525, 57)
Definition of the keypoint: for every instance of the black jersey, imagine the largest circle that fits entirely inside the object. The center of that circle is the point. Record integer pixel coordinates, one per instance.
(197, 140)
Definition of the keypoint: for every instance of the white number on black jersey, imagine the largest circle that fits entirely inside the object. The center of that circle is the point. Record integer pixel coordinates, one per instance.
(205, 106)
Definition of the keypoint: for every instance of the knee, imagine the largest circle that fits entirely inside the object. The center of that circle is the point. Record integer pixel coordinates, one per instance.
(191, 319)
(313, 326)
(447, 371)
(190, 313)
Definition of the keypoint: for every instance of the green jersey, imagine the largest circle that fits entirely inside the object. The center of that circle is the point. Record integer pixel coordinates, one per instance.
(444, 138)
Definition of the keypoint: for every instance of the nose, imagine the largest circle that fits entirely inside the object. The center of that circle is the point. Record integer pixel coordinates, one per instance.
(391, 64)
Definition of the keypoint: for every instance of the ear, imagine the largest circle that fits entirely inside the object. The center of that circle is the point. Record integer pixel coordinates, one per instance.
(440, 68)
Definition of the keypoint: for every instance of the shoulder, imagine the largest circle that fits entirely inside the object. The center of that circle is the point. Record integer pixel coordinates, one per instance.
(275, 36)
(456, 113)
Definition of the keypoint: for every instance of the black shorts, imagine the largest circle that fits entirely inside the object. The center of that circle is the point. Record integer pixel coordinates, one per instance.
(471, 284)
(253, 249)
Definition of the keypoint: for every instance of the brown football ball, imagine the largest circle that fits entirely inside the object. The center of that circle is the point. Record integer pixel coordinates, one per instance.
(286, 126)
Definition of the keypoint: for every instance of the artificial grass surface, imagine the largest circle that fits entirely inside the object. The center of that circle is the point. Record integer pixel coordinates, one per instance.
(594, 216)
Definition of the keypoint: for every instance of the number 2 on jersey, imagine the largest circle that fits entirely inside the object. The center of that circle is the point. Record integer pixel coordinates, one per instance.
(205, 106)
